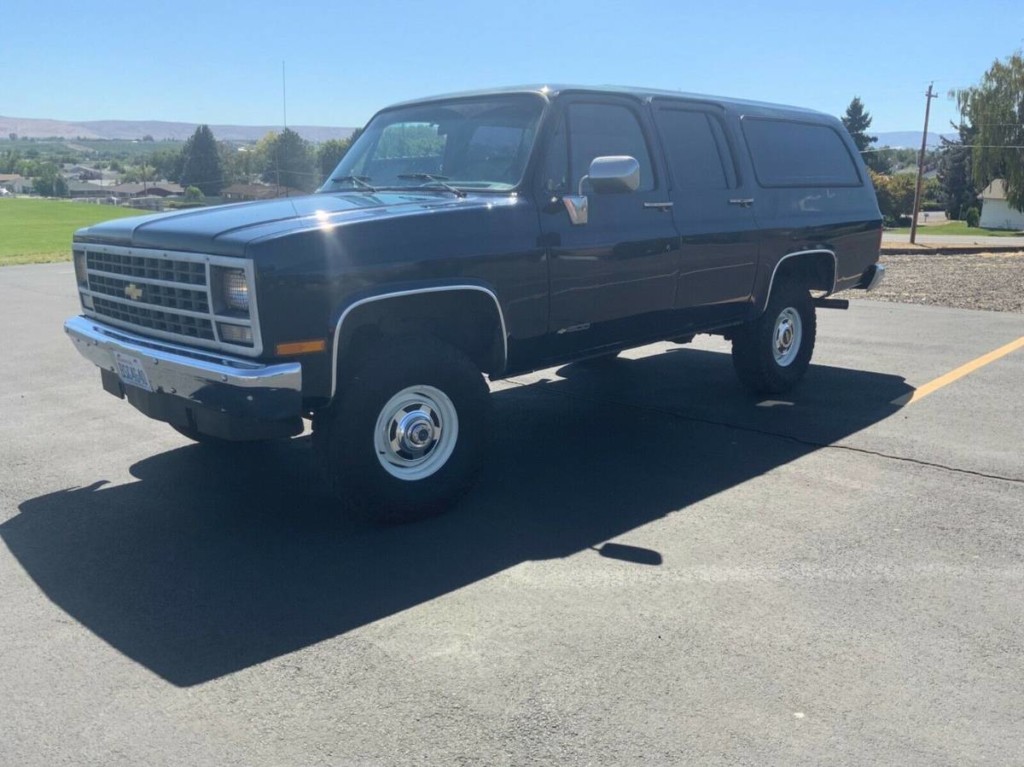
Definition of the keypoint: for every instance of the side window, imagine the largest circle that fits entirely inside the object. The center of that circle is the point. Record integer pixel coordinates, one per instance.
(790, 153)
(597, 130)
(697, 150)
(554, 173)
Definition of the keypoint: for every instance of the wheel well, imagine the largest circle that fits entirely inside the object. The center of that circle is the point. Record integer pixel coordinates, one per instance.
(469, 320)
(815, 270)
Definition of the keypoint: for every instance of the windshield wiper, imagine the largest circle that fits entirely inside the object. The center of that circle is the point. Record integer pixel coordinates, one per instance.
(359, 181)
(441, 181)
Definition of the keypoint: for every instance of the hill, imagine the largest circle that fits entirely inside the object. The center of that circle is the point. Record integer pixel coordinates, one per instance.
(27, 127)
(908, 139)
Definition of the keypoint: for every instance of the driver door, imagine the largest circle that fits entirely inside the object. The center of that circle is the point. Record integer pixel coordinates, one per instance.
(613, 278)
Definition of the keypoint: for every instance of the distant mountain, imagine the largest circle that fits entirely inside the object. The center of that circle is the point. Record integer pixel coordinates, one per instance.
(27, 127)
(905, 139)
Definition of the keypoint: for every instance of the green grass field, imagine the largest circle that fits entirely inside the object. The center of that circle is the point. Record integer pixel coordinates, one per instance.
(39, 231)
(957, 229)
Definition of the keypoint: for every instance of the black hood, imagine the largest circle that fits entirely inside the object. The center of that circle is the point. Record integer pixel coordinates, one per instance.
(228, 229)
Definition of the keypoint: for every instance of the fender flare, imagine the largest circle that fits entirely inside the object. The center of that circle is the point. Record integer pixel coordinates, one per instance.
(413, 292)
(814, 251)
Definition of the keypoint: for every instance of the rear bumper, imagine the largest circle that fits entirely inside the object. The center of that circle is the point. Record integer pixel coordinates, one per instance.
(873, 277)
(223, 396)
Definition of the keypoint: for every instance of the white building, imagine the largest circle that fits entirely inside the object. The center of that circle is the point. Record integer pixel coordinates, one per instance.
(996, 212)
(15, 184)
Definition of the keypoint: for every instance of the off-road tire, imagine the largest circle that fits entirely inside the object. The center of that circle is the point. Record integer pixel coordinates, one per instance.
(352, 462)
(755, 345)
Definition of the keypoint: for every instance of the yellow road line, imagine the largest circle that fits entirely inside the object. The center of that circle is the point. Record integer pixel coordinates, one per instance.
(955, 375)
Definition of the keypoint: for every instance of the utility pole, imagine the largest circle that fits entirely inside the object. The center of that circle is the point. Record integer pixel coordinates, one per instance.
(920, 163)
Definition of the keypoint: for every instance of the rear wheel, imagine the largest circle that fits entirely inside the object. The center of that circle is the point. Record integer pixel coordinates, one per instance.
(406, 436)
(772, 353)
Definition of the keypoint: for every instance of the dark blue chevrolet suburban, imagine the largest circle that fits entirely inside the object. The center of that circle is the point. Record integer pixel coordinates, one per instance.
(482, 233)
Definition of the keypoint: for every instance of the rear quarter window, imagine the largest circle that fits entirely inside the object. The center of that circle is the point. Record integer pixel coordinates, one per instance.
(790, 153)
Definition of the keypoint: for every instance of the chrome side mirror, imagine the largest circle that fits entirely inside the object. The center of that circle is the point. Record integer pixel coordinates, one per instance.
(608, 175)
(613, 174)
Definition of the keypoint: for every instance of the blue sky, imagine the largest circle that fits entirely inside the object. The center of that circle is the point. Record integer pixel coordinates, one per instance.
(220, 62)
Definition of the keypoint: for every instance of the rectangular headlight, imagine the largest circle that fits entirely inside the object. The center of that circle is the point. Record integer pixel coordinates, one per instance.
(81, 275)
(236, 289)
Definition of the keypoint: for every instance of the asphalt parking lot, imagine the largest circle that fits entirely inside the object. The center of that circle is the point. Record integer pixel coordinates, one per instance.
(656, 568)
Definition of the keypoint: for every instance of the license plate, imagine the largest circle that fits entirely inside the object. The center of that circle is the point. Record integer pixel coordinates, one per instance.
(131, 372)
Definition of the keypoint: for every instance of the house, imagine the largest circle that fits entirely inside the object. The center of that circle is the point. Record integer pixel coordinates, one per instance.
(72, 172)
(15, 184)
(147, 189)
(78, 190)
(996, 212)
(240, 192)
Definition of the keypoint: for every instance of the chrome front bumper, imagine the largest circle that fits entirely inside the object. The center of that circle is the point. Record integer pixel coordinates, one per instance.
(194, 388)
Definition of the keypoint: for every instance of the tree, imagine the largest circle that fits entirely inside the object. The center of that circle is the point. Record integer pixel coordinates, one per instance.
(49, 183)
(955, 174)
(330, 153)
(895, 195)
(288, 161)
(167, 163)
(9, 161)
(995, 108)
(200, 163)
(857, 121)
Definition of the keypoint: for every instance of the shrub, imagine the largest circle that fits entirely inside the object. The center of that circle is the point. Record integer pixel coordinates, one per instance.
(972, 216)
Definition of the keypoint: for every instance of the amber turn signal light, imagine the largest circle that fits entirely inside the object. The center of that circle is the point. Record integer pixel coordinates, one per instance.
(301, 347)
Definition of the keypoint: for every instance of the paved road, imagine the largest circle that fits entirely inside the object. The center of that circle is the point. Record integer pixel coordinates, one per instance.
(655, 569)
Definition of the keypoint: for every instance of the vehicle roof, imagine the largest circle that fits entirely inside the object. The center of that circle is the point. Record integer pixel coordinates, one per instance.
(553, 91)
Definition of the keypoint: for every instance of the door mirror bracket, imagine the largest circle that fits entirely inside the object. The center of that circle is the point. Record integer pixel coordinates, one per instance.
(608, 175)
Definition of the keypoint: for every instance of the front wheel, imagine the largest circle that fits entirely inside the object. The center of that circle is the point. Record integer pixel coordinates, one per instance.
(407, 435)
(771, 354)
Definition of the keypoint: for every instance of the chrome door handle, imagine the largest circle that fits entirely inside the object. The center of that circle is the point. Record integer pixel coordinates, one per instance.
(743, 202)
(658, 205)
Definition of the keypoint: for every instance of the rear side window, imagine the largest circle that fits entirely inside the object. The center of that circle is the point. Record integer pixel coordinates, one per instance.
(697, 150)
(787, 153)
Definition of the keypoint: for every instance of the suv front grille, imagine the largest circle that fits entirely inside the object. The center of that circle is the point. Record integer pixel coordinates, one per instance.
(148, 267)
(186, 299)
(163, 294)
(165, 322)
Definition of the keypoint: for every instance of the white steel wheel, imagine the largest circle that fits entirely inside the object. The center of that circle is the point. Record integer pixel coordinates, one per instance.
(771, 353)
(408, 432)
(416, 433)
(787, 336)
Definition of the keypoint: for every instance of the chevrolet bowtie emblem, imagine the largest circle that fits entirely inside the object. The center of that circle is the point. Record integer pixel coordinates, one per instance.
(132, 291)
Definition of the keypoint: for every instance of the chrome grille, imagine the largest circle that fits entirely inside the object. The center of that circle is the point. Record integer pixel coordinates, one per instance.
(165, 322)
(186, 299)
(168, 295)
(148, 267)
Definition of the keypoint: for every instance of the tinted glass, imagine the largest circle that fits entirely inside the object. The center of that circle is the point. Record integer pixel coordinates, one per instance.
(476, 144)
(554, 173)
(599, 130)
(789, 153)
(696, 154)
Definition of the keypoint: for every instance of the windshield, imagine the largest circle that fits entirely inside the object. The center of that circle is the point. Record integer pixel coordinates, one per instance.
(471, 144)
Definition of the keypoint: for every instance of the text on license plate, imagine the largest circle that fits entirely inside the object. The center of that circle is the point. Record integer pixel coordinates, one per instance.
(131, 372)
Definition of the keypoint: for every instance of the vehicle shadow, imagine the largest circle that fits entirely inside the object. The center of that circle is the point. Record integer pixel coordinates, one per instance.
(212, 562)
